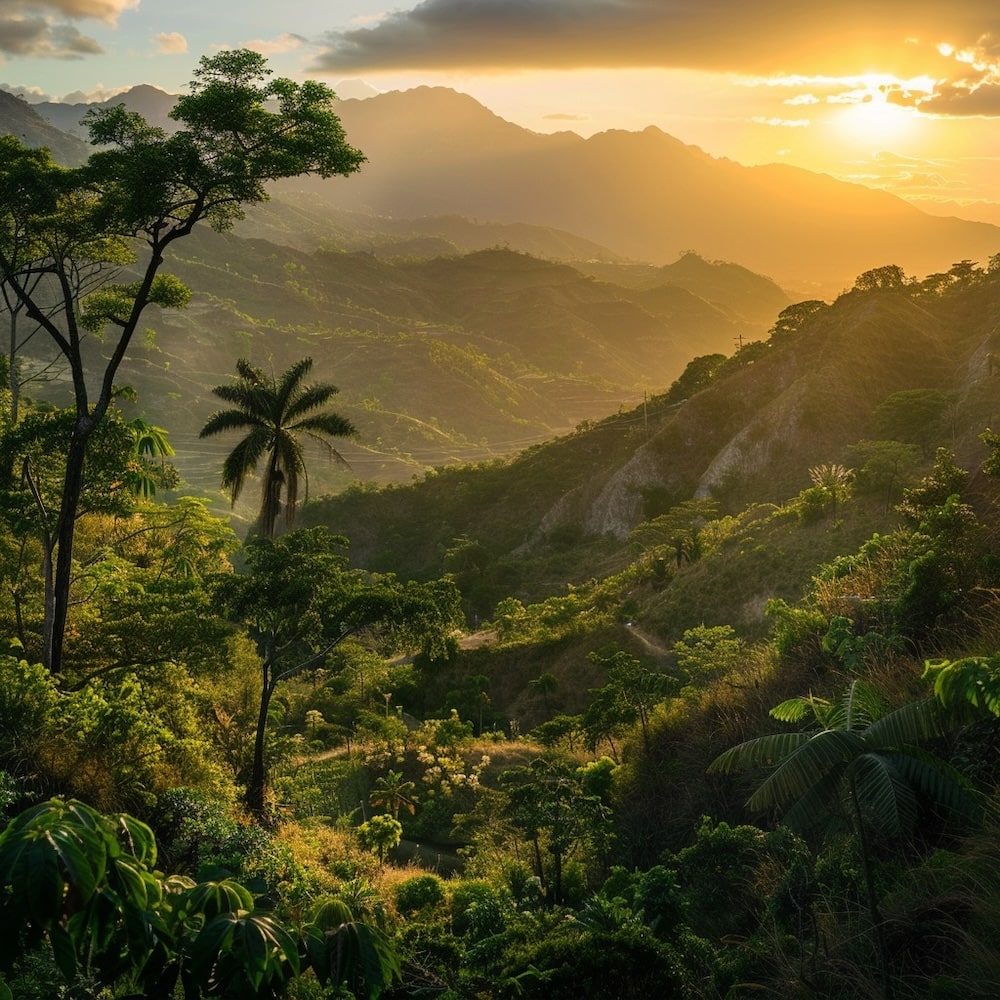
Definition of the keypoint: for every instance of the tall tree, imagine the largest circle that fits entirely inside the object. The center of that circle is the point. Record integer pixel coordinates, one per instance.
(274, 412)
(298, 601)
(118, 472)
(142, 191)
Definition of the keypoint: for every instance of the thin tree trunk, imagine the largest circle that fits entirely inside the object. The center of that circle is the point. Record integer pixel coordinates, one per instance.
(873, 909)
(257, 786)
(55, 618)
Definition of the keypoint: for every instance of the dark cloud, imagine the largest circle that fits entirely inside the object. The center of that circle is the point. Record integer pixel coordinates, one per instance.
(721, 35)
(983, 102)
(979, 98)
(43, 28)
(36, 36)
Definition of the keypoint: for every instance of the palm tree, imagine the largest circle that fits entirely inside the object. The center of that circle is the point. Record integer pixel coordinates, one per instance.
(834, 480)
(274, 412)
(861, 764)
(861, 767)
(392, 793)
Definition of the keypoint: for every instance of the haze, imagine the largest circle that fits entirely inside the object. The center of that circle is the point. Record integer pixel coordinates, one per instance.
(898, 96)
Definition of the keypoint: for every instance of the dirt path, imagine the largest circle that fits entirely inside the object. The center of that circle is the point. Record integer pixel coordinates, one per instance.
(649, 642)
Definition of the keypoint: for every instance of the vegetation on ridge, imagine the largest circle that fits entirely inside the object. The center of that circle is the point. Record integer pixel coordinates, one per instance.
(697, 701)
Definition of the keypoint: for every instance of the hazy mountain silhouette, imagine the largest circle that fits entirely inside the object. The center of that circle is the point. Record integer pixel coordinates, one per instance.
(151, 102)
(23, 121)
(643, 195)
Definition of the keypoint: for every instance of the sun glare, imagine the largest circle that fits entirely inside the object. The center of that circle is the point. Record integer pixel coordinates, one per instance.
(873, 121)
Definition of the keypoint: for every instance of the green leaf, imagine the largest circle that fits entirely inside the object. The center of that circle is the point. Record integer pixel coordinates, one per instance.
(809, 765)
(39, 885)
(761, 752)
(139, 838)
(63, 950)
(212, 939)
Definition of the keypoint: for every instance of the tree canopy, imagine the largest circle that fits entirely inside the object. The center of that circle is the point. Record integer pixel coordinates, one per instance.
(72, 239)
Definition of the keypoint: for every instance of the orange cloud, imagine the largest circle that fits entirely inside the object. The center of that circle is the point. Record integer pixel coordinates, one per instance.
(894, 37)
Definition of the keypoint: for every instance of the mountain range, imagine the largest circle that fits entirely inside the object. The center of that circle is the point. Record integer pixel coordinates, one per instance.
(645, 196)
(478, 288)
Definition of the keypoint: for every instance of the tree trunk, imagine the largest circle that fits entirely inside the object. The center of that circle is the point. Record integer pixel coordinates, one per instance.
(55, 616)
(257, 786)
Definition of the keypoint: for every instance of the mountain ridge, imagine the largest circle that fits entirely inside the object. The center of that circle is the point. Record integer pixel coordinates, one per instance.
(751, 434)
(433, 151)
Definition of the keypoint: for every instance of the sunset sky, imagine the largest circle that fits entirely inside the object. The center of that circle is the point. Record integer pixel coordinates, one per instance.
(894, 94)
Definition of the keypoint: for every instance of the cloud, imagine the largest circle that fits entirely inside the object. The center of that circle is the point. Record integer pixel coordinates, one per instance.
(44, 28)
(276, 46)
(895, 172)
(972, 89)
(170, 43)
(961, 98)
(716, 35)
(34, 36)
(74, 10)
(782, 122)
(564, 116)
(33, 95)
(95, 96)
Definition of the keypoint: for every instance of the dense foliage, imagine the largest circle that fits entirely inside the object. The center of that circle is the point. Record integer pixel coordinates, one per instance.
(752, 749)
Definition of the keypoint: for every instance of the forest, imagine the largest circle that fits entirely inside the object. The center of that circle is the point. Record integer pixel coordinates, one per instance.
(698, 700)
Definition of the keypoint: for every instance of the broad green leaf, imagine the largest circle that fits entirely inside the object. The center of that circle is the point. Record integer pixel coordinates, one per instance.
(212, 939)
(63, 950)
(139, 839)
(811, 762)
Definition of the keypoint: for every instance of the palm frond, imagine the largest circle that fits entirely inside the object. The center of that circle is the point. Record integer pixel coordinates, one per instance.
(228, 420)
(242, 461)
(885, 800)
(858, 709)
(940, 783)
(910, 723)
(818, 810)
(331, 424)
(312, 397)
(288, 458)
(821, 754)
(796, 709)
(764, 751)
(288, 386)
(250, 373)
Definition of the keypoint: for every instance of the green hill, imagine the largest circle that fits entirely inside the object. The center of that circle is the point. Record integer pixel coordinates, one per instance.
(772, 412)
(447, 360)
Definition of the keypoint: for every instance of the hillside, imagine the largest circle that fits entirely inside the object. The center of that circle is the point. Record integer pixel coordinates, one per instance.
(751, 436)
(26, 123)
(439, 361)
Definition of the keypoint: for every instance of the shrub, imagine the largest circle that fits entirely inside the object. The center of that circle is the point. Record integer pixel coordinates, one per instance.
(422, 892)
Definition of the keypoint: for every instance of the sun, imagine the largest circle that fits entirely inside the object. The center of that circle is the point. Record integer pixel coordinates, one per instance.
(870, 119)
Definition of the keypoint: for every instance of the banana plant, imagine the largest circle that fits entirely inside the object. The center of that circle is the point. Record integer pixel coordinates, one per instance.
(83, 886)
